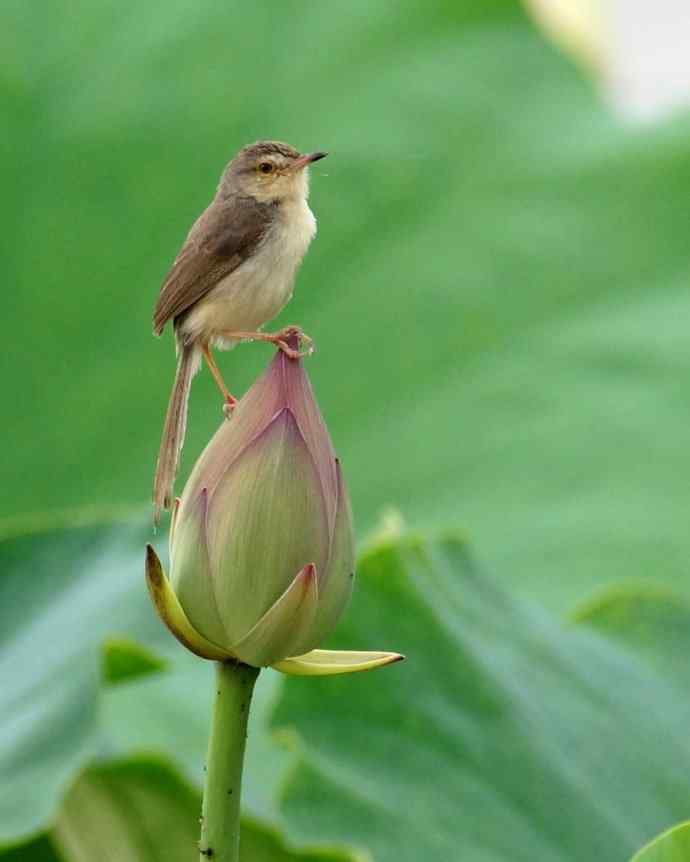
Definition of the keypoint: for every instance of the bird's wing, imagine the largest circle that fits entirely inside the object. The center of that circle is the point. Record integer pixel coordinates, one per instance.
(224, 236)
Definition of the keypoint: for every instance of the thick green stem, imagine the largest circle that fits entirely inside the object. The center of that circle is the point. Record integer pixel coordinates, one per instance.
(220, 813)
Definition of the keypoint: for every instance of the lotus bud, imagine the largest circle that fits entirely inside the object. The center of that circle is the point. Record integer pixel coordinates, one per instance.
(261, 544)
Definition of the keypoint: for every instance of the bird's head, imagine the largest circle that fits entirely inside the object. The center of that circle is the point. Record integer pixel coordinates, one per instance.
(269, 171)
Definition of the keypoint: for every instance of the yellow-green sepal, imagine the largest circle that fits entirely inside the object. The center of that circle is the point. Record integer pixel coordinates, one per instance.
(170, 611)
(327, 662)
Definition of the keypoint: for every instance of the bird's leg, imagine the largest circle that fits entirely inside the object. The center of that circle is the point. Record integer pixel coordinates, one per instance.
(281, 340)
(230, 400)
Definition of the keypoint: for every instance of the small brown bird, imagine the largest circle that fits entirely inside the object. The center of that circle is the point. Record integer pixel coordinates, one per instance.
(233, 274)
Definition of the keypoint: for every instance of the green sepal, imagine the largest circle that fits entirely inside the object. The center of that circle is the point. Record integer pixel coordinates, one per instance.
(327, 662)
(170, 611)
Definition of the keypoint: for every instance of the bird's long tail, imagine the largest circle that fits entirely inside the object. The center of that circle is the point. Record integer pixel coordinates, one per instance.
(174, 430)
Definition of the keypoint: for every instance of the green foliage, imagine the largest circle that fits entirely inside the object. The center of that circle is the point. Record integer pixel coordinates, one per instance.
(39, 850)
(653, 622)
(672, 846)
(505, 734)
(124, 660)
(142, 811)
(140, 808)
(149, 814)
(498, 292)
(61, 593)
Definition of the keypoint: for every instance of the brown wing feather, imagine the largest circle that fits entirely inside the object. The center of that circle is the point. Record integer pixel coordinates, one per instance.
(224, 236)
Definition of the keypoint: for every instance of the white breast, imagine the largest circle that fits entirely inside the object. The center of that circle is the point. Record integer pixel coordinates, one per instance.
(258, 289)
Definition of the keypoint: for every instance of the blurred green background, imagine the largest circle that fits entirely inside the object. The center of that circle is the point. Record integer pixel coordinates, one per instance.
(498, 292)
(499, 297)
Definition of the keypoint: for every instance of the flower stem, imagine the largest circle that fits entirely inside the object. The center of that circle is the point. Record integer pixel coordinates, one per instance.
(220, 813)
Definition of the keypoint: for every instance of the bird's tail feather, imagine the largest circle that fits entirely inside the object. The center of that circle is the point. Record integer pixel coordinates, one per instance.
(174, 430)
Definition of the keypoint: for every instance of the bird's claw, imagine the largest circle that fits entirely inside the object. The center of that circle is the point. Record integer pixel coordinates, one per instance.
(229, 405)
(293, 335)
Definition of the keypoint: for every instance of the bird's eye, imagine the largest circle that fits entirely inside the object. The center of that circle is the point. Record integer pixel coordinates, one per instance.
(266, 167)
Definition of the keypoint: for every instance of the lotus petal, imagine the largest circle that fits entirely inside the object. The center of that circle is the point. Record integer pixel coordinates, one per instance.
(285, 625)
(266, 521)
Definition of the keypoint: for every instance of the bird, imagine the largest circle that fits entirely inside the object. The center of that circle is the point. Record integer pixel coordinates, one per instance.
(234, 273)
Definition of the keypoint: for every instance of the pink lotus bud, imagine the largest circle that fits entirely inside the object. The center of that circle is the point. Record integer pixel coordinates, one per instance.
(262, 549)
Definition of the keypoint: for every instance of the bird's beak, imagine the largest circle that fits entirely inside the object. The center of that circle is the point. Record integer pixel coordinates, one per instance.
(307, 159)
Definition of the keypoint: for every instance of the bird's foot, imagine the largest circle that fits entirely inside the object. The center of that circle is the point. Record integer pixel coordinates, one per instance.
(293, 342)
(229, 404)
(229, 401)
